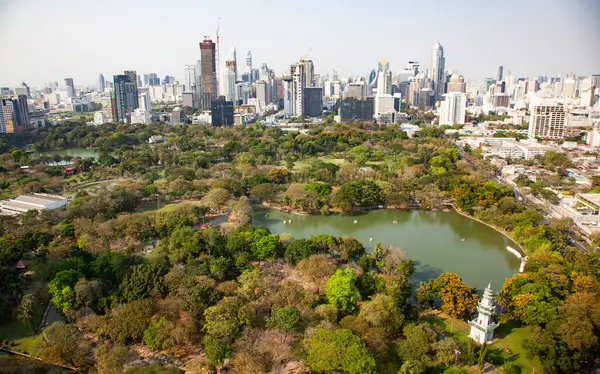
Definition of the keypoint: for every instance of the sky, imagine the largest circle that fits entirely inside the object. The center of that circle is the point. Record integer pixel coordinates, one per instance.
(46, 40)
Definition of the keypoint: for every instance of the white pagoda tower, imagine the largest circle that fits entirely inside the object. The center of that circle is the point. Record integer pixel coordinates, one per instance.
(482, 327)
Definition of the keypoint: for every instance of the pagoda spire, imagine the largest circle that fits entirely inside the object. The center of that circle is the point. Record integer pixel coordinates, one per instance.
(482, 327)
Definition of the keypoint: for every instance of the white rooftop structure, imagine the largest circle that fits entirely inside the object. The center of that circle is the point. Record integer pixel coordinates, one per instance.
(28, 202)
(482, 327)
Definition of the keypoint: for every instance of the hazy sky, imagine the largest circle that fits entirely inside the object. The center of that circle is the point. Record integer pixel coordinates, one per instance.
(45, 40)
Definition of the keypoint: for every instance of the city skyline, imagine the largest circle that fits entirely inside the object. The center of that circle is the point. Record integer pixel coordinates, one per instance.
(470, 48)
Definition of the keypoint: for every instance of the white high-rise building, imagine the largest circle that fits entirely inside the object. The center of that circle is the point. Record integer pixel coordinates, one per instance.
(263, 93)
(569, 87)
(384, 83)
(101, 83)
(144, 101)
(453, 108)
(384, 105)
(437, 72)
(228, 81)
(547, 119)
(249, 62)
(189, 78)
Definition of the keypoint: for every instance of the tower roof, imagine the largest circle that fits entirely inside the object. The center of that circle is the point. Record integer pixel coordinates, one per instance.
(437, 45)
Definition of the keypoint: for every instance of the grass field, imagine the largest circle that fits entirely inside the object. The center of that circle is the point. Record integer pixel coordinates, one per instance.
(508, 346)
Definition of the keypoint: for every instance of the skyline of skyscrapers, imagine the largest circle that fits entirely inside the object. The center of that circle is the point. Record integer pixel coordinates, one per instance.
(437, 72)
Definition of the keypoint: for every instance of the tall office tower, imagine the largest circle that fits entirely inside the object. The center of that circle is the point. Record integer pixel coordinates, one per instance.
(109, 108)
(101, 83)
(153, 79)
(249, 62)
(264, 73)
(228, 79)
(144, 102)
(126, 95)
(456, 83)
(263, 93)
(208, 71)
(70, 86)
(569, 87)
(500, 73)
(453, 108)
(533, 86)
(335, 76)
(309, 73)
(383, 65)
(23, 89)
(189, 78)
(133, 78)
(15, 114)
(384, 83)
(231, 62)
(437, 74)
(547, 118)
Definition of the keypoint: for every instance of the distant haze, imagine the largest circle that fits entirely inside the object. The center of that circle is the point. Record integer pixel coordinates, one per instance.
(49, 40)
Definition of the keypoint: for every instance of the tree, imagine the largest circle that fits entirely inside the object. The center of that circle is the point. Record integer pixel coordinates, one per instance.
(61, 289)
(129, 321)
(278, 176)
(286, 318)
(299, 250)
(317, 268)
(351, 249)
(266, 247)
(157, 336)
(26, 310)
(415, 348)
(63, 343)
(339, 350)
(381, 311)
(342, 291)
(482, 356)
(216, 199)
(241, 212)
(111, 358)
(142, 280)
(458, 299)
(88, 292)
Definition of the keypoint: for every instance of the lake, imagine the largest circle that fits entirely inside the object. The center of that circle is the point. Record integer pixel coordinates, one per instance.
(73, 152)
(432, 239)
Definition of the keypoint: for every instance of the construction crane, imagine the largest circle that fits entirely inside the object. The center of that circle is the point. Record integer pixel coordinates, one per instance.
(217, 59)
(305, 57)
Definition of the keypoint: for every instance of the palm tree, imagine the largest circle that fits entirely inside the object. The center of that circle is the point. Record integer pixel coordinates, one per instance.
(26, 310)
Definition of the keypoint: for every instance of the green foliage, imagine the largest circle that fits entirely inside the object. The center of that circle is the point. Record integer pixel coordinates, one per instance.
(157, 335)
(142, 280)
(62, 289)
(128, 322)
(266, 247)
(299, 250)
(338, 350)
(286, 318)
(64, 344)
(415, 348)
(342, 291)
(357, 195)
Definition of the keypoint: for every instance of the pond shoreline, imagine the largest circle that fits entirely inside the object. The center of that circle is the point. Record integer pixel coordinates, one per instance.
(501, 231)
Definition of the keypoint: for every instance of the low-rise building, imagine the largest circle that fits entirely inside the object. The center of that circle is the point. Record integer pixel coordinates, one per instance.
(27, 202)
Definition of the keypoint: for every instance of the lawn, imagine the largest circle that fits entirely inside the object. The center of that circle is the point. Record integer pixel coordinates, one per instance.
(507, 347)
(511, 336)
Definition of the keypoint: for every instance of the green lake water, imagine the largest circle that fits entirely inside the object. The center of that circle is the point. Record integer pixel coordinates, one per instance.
(73, 152)
(432, 239)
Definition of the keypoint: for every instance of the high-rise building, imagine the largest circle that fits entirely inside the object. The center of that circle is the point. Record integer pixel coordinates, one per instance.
(437, 72)
(263, 93)
(312, 101)
(109, 108)
(569, 87)
(101, 83)
(264, 73)
(133, 78)
(208, 72)
(126, 95)
(383, 65)
(249, 62)
(355, 109)
(15, 114)
(547, 118)
(500, 99)
(456, 83)
(189, 78)
(228, 79)
(533, 86)
(144, 102)
(301, 77)
(500, 73)
(221, 112)
(414, 66)
(231, 62)
(453, 108)
(70, 86)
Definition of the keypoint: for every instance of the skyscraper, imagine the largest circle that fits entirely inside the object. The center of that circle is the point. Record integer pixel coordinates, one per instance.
(500, 73)
(208, 71)
(126, 95)
(301, 77)
(453, 108)
(231, 62)
(248, 62)
(436, 74)
(228, 80)
(101, 83)
(70, 86)
(189, 78)
(15, 114)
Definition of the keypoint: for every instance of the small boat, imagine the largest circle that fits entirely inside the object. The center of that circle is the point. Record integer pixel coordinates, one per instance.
(370, 239)
(284, 221)
(395, 221)
(463, 239)
(355, 222)
(290, 221)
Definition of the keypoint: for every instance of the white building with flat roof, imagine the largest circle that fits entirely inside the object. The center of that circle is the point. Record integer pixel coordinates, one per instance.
(547, 119)
(29, 202)
(453, 108)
